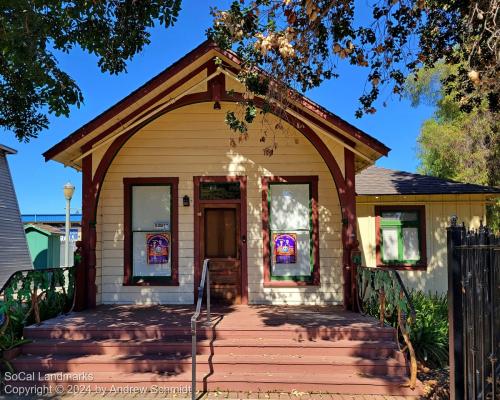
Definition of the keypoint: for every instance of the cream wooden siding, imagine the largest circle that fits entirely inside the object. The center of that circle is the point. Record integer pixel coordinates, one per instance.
(14, 254)
(192, 141)
(438, 210)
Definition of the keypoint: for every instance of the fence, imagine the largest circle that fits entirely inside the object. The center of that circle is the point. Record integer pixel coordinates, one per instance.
(474, 312)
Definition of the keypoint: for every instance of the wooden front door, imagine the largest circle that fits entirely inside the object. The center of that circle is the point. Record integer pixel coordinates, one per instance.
(220, 241)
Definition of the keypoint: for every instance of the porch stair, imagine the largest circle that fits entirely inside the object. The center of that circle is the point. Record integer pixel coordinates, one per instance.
(346, 357)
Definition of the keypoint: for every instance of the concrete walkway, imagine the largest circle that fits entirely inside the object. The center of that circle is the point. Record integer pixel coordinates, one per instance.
(219, 395)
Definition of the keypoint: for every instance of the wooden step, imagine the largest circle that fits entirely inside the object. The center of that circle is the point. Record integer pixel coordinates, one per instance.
(227, 346)
(221, 363)
(161, 332)
(342, 383)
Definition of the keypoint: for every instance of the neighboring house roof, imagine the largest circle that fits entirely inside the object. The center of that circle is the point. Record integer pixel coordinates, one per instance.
(50, 218)
(117, 116)
(383, 181)
(43, 228)
(7, 150)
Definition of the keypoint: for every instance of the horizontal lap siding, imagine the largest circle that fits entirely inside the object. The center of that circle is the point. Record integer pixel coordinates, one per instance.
(438, 210)
(194, 141)
(14, 253)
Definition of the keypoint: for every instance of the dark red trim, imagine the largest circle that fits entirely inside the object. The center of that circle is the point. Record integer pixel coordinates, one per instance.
(126, 102)
(128, 183)
(146, 106)
(349, 230)
(242, 201)
(82, 279)
(334, 119)
(313, 181)
(318, 111)
(310, 135)
(216, 86)
(422, 238)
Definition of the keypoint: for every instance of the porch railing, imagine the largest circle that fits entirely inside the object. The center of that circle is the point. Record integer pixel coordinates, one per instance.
(382, 293)
(204, 283)
(33, 296)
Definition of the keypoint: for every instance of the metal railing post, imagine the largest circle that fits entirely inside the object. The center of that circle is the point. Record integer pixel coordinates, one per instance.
(208, 295)
(204, 283)
(193, 360)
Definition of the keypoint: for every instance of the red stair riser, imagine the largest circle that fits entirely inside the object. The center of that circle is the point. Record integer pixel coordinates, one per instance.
(144, 334)
(182, 349)
(239, 365)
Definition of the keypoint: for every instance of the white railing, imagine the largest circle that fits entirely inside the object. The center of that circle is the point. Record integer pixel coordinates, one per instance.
(205, 282)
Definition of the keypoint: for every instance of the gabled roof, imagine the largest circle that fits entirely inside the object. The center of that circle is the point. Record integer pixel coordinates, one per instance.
(383, 181)
(43, 228)
(7, 150)
(206, 51)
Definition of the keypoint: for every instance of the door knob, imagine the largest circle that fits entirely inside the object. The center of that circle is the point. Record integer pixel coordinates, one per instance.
(243, 239)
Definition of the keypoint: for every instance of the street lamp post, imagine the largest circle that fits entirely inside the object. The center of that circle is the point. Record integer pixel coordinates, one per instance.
(69, 189)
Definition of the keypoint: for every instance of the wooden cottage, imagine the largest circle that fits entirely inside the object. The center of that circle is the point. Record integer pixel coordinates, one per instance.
(158, 170)
(164, 190)
(14, 253)
(402, 219)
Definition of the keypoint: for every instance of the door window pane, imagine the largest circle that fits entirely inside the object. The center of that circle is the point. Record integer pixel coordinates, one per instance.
(390, 243)
(220, 190)
(151, 230)
(220, 233)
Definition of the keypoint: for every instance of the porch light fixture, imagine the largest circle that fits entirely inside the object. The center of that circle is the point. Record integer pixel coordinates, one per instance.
(185, 201)
(217, 106)
(68, 190)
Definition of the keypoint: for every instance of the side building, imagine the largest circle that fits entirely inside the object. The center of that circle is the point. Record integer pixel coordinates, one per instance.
(14, 254)
(402, 219)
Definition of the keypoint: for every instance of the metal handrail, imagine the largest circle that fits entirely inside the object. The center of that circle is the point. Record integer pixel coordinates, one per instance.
(205, 279)
(402, 317)
(413, 313)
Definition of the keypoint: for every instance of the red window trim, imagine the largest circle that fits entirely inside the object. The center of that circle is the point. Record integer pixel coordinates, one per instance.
(422, 237)
(127, 250)
(313, 181)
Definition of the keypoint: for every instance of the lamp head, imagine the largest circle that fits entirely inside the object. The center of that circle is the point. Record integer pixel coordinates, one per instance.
(69, 190)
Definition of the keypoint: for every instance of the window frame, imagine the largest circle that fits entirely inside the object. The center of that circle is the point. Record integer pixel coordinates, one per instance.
(128, 273)
(314, 279)
(420, 265)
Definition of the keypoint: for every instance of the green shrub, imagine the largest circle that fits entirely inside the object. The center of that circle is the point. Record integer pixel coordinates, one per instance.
(429, 331)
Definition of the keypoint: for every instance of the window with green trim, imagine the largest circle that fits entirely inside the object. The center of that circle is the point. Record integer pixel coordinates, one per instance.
(290, 231)
(401, 236)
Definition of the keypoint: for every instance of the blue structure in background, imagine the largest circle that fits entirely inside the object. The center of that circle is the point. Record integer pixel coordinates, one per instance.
(50, 218)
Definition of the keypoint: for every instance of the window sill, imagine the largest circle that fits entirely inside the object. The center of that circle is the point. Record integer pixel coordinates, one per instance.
(403, 267)
(153, 282)
(290, 284)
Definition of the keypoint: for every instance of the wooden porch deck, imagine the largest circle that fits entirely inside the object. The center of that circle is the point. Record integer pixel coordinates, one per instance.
(162, 317)
(247, 348)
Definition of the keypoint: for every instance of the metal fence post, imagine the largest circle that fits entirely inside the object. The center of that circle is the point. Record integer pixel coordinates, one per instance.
(455, 311)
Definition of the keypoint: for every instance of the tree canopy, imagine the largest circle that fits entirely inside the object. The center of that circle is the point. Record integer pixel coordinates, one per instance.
(301, 42)
(454, 144)
(31, 82)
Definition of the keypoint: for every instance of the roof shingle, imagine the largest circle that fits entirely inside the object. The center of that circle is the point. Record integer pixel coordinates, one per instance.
(383, 181)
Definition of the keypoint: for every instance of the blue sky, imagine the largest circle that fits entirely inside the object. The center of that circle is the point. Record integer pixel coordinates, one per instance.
(39, 184)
